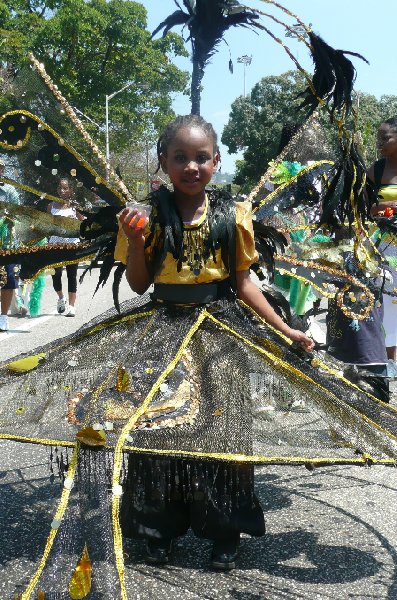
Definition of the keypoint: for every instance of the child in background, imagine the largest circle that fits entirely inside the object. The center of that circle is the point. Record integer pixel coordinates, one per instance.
(359, 344)
(65, 209)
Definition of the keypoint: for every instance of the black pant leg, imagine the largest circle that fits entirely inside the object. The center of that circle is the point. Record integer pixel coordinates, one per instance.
(224, 504)
(154, 503)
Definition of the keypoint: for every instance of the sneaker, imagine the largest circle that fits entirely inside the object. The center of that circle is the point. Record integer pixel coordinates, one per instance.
(224, 555)
(61, 305)
(4, 323)
(158, 552)
(71, 312)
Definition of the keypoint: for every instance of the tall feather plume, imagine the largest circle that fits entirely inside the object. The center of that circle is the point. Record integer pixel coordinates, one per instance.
(345, 199)
(333, 77)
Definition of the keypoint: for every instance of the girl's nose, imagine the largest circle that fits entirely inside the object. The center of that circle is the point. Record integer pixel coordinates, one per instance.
(192, 165)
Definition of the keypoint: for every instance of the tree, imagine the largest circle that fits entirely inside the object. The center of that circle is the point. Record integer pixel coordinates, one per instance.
(371, 113)
(207, 21)
(256, 122)
(91, 48)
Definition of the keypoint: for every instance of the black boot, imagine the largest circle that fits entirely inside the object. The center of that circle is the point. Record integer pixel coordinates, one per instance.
(158, 551)
(224, 554)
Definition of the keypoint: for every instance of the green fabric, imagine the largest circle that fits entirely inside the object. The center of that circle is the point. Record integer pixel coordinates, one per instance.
(35, 295)
(320, 238)
(298, 295)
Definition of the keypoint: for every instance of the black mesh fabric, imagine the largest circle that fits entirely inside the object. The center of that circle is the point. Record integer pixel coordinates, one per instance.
(234, 377)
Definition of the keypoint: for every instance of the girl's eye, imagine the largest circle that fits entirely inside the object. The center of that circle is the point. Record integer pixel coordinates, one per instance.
(202, 158)
(180, 158)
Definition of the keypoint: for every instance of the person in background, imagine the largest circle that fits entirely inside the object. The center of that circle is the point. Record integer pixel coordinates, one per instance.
(359, 344)
(7, 240)
(65, 209)
(383, 175)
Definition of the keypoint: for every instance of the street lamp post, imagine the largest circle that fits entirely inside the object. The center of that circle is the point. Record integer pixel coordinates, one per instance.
(107, 98)
(246, 60)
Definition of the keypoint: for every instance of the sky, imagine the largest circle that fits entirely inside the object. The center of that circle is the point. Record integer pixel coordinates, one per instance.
(363, 26)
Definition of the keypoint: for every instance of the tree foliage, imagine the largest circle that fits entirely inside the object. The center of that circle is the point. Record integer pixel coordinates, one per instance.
(92, 48)
(256, 122)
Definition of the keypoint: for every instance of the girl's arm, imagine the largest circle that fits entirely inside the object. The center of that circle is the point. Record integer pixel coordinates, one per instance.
(137, 272)
(251, 295)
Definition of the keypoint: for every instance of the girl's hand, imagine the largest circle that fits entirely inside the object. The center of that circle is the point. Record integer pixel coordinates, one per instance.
(133, 223)
(298, 336)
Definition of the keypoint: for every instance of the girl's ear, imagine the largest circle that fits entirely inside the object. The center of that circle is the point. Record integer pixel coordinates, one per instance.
(163, 163)
(216, 161)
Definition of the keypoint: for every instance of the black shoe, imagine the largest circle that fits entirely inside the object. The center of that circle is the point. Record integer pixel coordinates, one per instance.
(158, 552)
(224, 555)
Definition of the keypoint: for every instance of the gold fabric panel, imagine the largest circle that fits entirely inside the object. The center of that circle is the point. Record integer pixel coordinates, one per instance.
(214, 270)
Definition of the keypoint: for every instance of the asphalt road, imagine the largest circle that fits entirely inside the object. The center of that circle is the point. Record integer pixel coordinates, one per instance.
(331, 533)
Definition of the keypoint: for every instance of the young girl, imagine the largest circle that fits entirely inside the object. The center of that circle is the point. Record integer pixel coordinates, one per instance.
(65, 192)
(172, 383)
(193, 274)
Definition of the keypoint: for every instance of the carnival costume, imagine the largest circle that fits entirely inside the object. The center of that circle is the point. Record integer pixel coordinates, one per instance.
(187, 378)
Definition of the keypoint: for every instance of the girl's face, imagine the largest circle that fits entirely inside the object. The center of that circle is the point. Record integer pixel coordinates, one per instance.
(64, 190)
(387, 140)
(190, 161)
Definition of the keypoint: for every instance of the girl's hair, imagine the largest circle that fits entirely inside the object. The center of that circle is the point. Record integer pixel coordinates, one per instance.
(182, 122)
(70, 184)
(392, 122)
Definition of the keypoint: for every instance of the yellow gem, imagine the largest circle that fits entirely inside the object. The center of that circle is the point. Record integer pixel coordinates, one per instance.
(91, 437)
(73, 172)
(123, 380)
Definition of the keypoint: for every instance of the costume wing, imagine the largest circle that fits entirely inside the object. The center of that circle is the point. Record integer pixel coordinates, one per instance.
(34, 149)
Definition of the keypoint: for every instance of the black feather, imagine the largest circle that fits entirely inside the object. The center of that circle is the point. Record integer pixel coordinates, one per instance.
(268, 242)
(375, 385)
(118, 274)
(104, 271)
(333, 77)
(345, 197)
